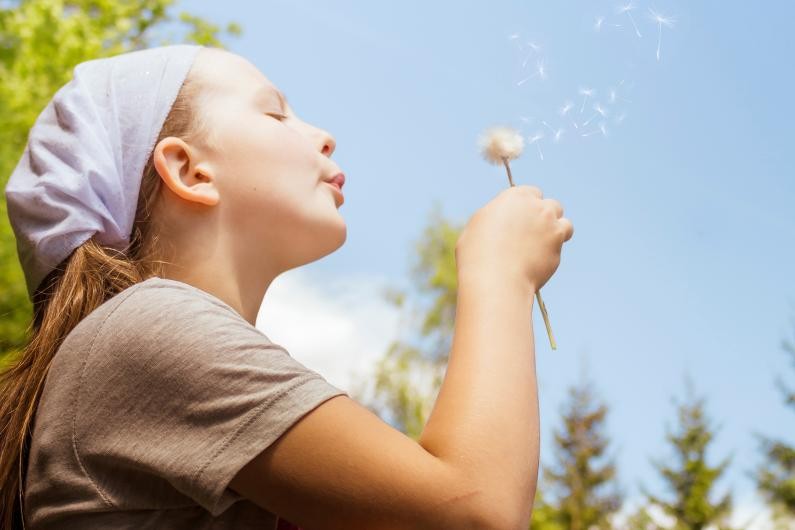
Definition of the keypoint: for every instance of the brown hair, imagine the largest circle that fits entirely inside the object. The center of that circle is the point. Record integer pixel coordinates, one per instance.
(87, 278)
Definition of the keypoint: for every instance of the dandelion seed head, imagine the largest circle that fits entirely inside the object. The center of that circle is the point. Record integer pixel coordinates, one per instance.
(500, 143)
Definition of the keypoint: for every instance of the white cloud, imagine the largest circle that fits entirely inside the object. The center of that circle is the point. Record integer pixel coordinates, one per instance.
(337, 326)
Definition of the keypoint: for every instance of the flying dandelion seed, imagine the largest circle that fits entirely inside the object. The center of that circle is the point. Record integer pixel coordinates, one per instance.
(627, 8)
(541, 70)
(600, 111)
(603, 128)
(524, 119)
(541, 73)
(533, 46)
(598, 24)
(566, 108)
(621, 117)
(660, 20)
(557, 133)
(612, 98)
(585, 93)
(534, 140)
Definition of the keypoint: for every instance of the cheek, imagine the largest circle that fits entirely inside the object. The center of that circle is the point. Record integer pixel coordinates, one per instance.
(272, 179)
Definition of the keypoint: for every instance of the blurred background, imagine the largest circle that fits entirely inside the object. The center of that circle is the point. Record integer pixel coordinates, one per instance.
(662, 127)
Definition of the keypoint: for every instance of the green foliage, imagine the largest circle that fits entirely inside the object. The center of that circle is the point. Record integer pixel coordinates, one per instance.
(775, 477)
(40, 43)
(688, 476)
(582, 480)
(545, 515)
(410, 374)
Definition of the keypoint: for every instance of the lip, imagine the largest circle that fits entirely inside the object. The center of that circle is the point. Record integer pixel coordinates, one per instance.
(338, 179)
(337, 191)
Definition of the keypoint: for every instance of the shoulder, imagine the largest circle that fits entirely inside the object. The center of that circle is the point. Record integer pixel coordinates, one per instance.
(160, 319)
(161, 305)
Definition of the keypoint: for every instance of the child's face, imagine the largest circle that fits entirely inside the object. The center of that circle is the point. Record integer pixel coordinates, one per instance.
(269, 171)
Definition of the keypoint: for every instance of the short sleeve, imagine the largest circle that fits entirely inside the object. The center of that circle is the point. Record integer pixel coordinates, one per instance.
(177, 385)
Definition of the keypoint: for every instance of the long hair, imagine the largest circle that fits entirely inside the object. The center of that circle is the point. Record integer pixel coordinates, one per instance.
(88, 277)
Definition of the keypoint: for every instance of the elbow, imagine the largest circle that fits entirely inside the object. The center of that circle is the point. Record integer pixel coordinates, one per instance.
(501, 515)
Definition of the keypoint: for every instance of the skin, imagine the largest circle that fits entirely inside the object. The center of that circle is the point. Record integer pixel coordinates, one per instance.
(250, 202)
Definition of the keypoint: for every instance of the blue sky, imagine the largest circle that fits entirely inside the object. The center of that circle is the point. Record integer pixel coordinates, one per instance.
(681, 261)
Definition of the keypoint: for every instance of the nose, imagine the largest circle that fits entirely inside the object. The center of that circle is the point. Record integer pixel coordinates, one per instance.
(328, 143)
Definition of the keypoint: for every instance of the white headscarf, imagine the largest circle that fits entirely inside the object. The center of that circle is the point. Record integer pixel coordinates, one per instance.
(80, 173)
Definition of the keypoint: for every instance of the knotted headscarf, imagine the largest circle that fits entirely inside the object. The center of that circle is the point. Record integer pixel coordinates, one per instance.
(80, 173)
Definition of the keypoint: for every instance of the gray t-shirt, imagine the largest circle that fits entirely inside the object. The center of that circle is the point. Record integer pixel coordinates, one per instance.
(152, 404)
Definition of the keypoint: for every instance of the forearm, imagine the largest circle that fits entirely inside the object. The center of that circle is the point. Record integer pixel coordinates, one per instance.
(485, 421)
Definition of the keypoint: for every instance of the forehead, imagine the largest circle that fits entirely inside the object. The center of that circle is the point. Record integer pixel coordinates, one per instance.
(232, 75)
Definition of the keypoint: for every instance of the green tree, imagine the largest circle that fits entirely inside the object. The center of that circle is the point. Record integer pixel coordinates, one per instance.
(582, 483)
(688, 476)
(545, 515)
(775, 477)
(641, 519)
(40, 43)
(409, 375)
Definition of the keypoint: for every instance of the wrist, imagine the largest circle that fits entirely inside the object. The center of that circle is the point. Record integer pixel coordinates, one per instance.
(503, 279)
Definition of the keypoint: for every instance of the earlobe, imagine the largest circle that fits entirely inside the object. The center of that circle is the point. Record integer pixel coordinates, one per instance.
(178, 167)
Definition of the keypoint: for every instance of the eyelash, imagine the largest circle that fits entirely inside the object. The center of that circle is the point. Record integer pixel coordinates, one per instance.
(278, 116)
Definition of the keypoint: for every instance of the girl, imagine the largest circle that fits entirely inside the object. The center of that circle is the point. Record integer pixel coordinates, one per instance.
(160, 194)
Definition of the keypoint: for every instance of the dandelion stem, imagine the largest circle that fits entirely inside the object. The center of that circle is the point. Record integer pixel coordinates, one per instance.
(546, 320)
(538, 292)
(508, 169)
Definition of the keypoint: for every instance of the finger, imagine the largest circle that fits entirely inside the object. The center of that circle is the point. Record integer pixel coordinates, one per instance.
(532, 189)
(568, 228)
(557, 206)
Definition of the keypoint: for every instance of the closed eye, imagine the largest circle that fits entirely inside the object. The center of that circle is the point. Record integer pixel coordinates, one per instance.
(277, 115)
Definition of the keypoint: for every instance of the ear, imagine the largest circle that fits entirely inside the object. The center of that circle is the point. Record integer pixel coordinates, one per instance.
(182, 171)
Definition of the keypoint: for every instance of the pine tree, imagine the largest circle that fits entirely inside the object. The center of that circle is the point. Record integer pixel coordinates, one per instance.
(582, 483)
(641, 519)
(688, 476)
(775, 478)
